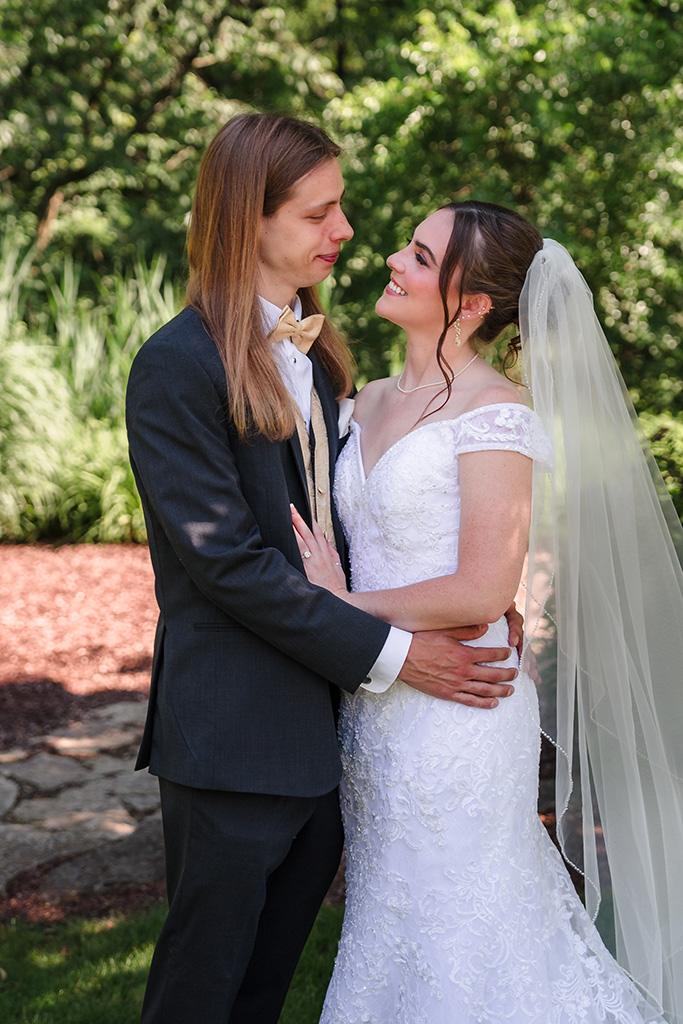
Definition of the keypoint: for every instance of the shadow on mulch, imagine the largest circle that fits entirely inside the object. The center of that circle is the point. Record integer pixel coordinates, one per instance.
(30, 709)
(24, 903)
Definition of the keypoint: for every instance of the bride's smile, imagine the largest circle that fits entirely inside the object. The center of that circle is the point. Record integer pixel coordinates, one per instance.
(412, 299)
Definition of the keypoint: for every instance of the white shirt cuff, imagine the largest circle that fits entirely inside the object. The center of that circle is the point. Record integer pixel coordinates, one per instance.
(390, 661)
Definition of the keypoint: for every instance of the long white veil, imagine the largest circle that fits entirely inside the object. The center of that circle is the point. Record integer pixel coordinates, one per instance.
(605, 617)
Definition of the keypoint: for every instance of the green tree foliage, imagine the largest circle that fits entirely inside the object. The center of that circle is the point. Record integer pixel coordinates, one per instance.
(109, 103)
(568, 111)
(665, 436)
(570, 116)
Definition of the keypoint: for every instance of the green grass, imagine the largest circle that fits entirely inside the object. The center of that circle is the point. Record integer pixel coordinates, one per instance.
(306, 995)
(81, 972)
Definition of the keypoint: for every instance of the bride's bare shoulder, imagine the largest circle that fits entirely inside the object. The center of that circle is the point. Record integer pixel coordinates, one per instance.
(494, 389)
(370, 396)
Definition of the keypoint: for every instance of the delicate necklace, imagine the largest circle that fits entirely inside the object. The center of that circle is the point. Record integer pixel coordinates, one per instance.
(409, 391)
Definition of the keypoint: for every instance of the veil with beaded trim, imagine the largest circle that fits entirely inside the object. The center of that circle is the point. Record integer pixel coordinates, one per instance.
(604, 616)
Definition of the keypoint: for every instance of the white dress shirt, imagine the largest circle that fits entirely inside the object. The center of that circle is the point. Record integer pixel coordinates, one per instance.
(297, 374)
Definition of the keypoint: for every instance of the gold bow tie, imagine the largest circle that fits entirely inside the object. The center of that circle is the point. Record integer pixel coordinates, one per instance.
(302, 332)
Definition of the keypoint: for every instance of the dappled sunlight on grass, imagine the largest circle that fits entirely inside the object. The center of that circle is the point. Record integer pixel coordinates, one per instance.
(80, 972)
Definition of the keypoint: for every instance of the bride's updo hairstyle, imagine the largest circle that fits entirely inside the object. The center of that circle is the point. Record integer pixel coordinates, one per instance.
(493, 248)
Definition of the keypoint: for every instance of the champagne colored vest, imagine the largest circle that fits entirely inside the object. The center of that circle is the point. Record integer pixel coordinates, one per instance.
(316, 455)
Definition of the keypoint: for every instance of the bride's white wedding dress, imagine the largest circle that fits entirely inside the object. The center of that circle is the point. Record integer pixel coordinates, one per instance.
(459, 908)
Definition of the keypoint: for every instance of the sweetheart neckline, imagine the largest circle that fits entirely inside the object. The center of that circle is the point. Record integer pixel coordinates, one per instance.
(416, 430)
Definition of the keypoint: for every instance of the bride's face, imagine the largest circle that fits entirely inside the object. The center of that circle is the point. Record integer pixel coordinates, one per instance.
(412, 299)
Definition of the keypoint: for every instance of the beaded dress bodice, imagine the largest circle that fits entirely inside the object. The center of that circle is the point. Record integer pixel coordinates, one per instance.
(402, 521)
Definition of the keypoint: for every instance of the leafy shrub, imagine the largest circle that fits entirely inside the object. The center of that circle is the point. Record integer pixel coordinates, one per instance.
(35, 425)
(98, 499)
(665, 435)
(64, 363)
(60, 478)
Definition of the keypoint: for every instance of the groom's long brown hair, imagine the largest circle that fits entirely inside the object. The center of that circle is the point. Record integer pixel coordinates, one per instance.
(249, 170)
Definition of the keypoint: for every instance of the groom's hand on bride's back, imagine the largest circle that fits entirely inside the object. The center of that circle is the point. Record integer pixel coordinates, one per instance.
(440, 664)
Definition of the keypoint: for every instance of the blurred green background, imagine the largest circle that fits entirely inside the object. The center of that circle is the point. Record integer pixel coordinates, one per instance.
(567, 111)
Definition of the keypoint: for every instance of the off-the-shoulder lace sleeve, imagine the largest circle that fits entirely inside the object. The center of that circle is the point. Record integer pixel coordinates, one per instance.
(506, 426)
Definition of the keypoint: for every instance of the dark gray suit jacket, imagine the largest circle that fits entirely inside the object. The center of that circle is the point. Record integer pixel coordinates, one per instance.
(246, 648)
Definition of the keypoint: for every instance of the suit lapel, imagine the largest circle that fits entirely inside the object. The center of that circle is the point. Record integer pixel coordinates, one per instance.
(297, 455)
(330, 410)
(293, 448)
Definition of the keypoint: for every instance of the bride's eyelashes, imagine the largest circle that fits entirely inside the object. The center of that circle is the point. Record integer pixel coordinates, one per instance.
(418, 255)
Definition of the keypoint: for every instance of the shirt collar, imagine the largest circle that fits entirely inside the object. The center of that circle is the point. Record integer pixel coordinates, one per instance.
(270, 312)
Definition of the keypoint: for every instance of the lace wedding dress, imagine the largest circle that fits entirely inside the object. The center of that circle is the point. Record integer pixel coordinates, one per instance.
(459, 909)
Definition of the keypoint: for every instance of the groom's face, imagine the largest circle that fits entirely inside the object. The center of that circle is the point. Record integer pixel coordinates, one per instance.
(299, 244)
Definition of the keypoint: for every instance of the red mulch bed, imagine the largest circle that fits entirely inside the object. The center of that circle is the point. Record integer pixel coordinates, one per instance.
(76, 632)
(24, 903)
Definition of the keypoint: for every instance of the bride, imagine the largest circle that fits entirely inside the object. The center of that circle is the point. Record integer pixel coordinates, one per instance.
(459, 908)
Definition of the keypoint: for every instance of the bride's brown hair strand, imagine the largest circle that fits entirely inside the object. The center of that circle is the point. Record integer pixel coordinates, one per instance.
(492, 247)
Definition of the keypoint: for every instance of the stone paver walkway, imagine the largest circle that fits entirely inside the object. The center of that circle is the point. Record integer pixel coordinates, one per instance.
(75, 810)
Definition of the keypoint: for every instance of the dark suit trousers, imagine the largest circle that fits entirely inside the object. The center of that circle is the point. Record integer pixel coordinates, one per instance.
(246, 876)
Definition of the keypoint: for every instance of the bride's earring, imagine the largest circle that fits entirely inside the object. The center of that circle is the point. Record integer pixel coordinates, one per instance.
(458, 332)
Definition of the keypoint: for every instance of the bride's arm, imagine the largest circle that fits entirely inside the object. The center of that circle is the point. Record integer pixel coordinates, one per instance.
(495, 490)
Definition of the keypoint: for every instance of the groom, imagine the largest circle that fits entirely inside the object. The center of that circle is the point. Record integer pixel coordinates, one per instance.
(232, 416)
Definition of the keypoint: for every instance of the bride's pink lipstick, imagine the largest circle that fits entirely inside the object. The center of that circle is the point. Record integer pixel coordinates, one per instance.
(330, 257)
